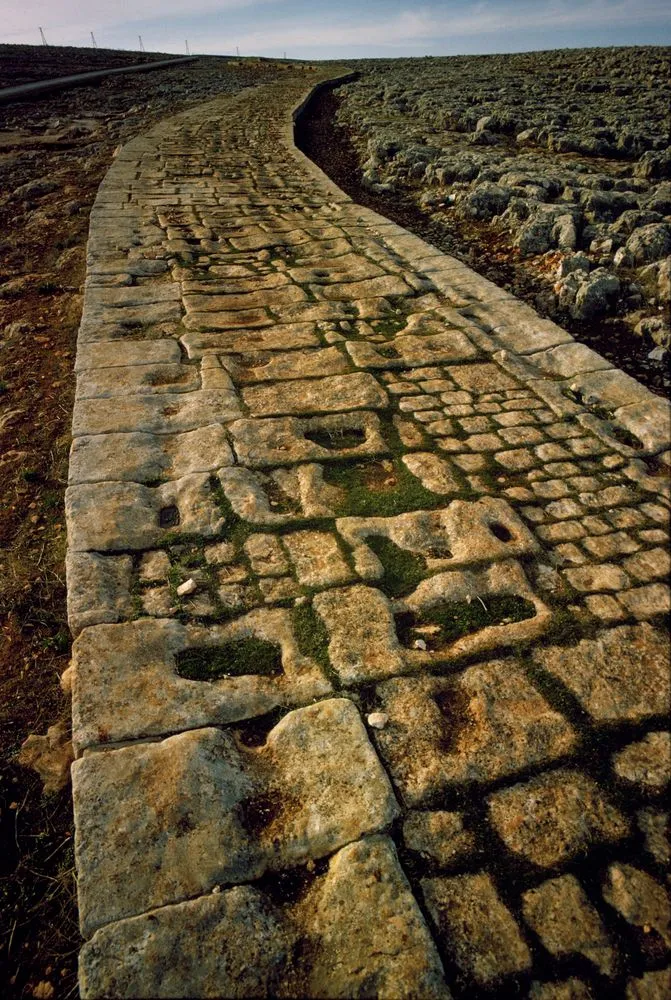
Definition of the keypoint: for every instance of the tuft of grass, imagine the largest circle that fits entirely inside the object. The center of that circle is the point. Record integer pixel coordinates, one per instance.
(372, 492)
(311, 635)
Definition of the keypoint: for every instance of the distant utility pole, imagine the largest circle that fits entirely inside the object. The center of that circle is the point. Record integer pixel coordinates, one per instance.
(93, 39)
(237, 50)
(187, 47)
(140, 41)
(284, 55)
(44, 41)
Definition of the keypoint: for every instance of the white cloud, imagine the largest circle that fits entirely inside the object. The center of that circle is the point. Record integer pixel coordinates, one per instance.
(431, 24)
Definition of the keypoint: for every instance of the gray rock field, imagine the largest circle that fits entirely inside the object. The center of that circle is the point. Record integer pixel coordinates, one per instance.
(562, 157)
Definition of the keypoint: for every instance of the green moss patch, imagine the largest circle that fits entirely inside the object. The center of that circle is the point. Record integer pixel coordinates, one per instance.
(403, 570)
(373, 491)
(448, 622)
(238, 658)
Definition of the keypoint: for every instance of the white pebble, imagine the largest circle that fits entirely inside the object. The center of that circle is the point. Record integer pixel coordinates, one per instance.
(378, 720)
(419, 644)
(188, 587)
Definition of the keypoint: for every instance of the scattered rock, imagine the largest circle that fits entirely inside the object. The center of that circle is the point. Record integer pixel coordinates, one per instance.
(50, 755)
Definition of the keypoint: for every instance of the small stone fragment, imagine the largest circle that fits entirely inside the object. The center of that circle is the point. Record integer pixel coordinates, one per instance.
(50, 755)
(646, 763)
(188, 587)
(378, 720)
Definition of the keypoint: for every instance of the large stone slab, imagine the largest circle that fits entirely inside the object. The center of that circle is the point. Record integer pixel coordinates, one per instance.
(128, 682)
(118, 516)
(162, 822)
(332, 394)
(147, 458)
(243, 942)
(163, 413)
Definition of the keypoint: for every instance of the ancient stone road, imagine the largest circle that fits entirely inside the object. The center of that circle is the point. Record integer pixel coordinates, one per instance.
(367, 570)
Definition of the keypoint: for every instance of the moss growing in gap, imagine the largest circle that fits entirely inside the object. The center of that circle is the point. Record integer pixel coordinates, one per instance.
(237, 658)
(311, 636)
(403, 570)
(455, 619)
(372, 491)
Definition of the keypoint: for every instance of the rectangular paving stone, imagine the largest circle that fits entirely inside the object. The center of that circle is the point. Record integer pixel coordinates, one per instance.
(118, 517)
(161, 413)
(128, 380)
(147, 458)
(272, 299)
(159, 823)
(253, 366)
(133, 352)
(334, 393)
(129, 683)
(286, 440)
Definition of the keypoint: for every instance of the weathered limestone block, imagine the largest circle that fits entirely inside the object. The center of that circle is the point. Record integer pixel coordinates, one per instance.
(272, 299)
(439, 836)
(486, 723)
(567, 923)
(116, 517)
(285, 440)
(158, 823)
(261, 367)
(134, 352)
(236, 319)
(362, 639)
(461, 533)
(475, 927)
(98, 589)
(334, 393)
(317, 559)
(146, 458)
(434, 473)
(369, 288)
(347, 267)
(142, 380)
(241, 943)
(128, 682)
(155, 414)
(555, 817)
(639, 899)
(622, 675)
(481, 378)
(266, 555)
(279, 496)
(408, 351)
(646, 763)
(448, 595)
(284, 337)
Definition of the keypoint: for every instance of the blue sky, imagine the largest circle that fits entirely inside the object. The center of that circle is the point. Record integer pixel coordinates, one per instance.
(326, 29)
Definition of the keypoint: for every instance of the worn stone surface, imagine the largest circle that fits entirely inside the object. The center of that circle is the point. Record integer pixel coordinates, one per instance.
(476, 928)
(567, 923)
(621, 675)
(312, 452)
(242, 942)
(555, 817)
(639, 899)
(200, 809)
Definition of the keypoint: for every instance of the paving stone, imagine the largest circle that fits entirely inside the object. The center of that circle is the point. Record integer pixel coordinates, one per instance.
(647, 762)
(271, 366)
(363, 645)
(638, 898)
(128, 683)
(475, 927)
(163, 413)
(567, 923)
(461, 533)
(570, 989)
(242, 943)
(317, 558)
(435, 474)
(438, 836)
(146, 458)
(154, 566)
(654, 825)
(606, 576)
(98, 589)
(647, 602)
(619, 676)
(486, 723)
(161, 822)
(331, 394)
(285, 440)
(407, 351)
(650, 986)
(555, 817)
(266, 555)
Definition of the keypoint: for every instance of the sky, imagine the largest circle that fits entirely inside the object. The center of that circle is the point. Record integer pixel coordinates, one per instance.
(333, 29)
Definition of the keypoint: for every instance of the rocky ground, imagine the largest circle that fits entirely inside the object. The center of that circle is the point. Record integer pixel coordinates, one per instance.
(53, 154)
(550, 172)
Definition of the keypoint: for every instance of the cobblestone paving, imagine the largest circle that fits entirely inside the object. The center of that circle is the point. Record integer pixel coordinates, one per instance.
(367, 565)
